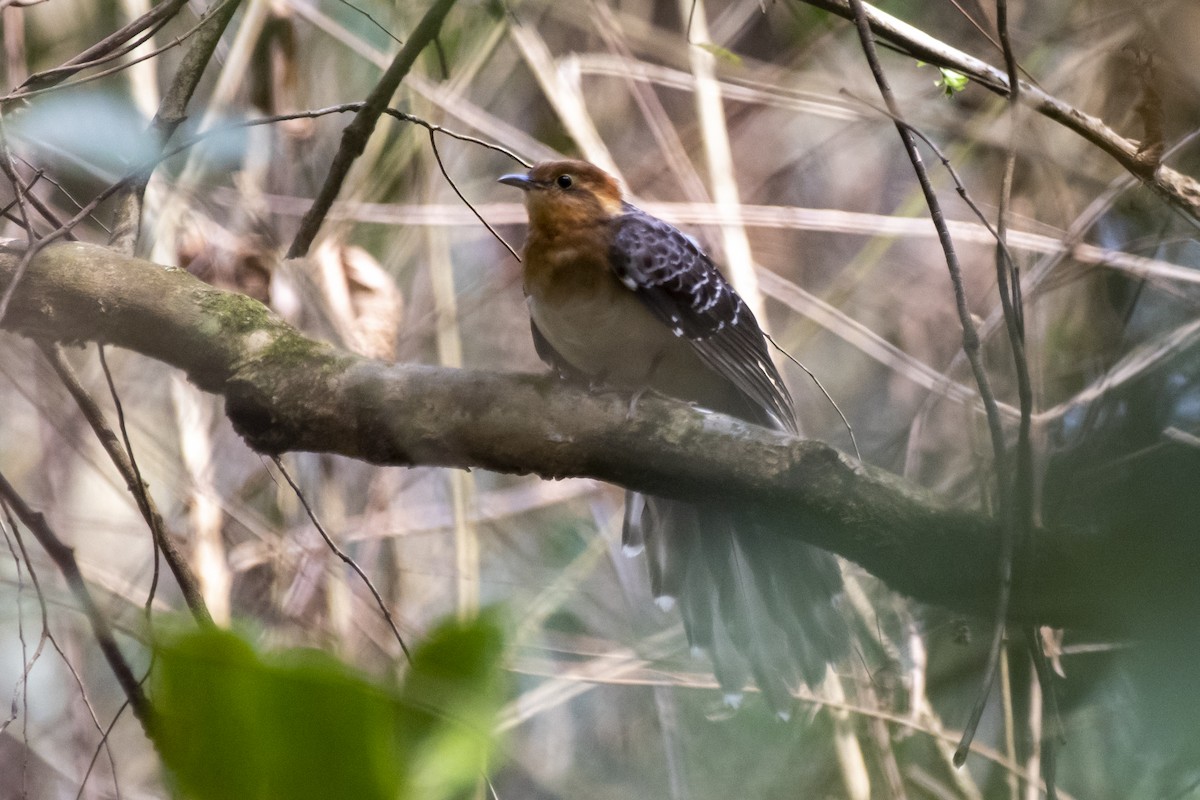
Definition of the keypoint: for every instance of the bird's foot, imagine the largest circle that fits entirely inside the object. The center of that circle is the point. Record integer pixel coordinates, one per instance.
(598, 386)
(633, 401)
(637, 396)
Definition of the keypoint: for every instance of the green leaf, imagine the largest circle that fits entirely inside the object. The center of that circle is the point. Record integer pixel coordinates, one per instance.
(452, 693)
(300, 724)
(206, 694)
(951, 82)
(720, 52)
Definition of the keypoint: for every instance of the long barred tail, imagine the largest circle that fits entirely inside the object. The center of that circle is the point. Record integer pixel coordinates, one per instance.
(759, 603)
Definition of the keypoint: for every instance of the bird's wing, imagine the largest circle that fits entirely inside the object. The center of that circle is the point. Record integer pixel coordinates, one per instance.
(680, 284)
(552, 357)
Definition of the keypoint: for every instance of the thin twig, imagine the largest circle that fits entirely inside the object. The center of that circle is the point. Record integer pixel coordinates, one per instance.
(35, 201)
(373, 21)
(462, 137)
(138, 487)
(153, 18)
(1015, 498)
(20, 94)
(124, 461)
(971, 344)
(41, 597)
(27, 661)
(10, 171)
(1050, 742)
(824, 391)
(1010, 304)
(1181, 191)
(105, 734)
(354, 137)
(41, 173)
(438, 157)
(50, 79)
(88, 209)
(959, 186)
(1018, 514)
(403, 117)
(342, 555)
(64, 558)
(172, 111)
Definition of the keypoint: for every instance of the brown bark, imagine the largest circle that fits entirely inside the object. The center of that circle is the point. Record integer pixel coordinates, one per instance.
(284, 391)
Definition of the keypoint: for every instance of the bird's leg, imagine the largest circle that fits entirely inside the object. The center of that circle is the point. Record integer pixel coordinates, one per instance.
(647, 386)
(633, 401)
(598, 384)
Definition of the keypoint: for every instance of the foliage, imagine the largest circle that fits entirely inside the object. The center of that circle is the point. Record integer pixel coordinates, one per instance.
(298, 723)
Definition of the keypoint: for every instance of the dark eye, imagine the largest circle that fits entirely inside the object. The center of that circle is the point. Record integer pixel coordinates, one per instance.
(564, 181)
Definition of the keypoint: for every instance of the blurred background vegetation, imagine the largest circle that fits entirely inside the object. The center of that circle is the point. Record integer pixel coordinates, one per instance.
(700, 108)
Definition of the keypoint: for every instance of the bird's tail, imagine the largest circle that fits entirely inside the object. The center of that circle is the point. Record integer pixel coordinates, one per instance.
(760, 603)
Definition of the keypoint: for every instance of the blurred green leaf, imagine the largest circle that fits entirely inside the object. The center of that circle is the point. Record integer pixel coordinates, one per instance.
(451, 695)
(720, 52)
(300, 724)
(951, 82)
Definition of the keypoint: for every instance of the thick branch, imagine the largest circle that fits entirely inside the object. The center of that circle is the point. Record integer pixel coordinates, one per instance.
(284, 392)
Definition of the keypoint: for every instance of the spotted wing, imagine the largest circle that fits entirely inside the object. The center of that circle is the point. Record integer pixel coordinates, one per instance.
(680, 284)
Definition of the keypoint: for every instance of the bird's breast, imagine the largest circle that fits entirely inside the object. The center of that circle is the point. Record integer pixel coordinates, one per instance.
(595, 323)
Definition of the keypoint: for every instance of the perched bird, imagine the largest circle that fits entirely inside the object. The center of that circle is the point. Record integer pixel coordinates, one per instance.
(622, 299)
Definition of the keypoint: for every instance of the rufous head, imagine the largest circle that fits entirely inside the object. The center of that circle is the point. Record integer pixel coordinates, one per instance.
(566, 193)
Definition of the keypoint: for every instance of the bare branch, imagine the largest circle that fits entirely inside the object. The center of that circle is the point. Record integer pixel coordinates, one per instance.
(172, 111)
(64, 558)
(1181, 191)
(123, 460)
(354, 138)
(151, 21)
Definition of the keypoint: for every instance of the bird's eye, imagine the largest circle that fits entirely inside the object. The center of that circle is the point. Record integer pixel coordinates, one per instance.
(564, 181)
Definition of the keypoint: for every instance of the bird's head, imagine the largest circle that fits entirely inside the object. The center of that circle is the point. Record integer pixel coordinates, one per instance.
(566, 194)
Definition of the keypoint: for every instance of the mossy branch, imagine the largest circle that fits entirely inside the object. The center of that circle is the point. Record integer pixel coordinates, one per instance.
(286, 392)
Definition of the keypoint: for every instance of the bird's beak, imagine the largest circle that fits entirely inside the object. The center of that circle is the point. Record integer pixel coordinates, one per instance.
(523, 182)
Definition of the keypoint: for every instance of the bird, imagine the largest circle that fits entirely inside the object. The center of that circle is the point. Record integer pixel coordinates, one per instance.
(620, 299)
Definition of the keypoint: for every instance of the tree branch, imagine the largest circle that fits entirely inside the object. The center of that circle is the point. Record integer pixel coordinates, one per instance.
(64, 558)
(284, 392)
(1181, 191)
(354, 137)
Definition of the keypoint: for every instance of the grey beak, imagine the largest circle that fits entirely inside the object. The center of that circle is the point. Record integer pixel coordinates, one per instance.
(519, 180)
